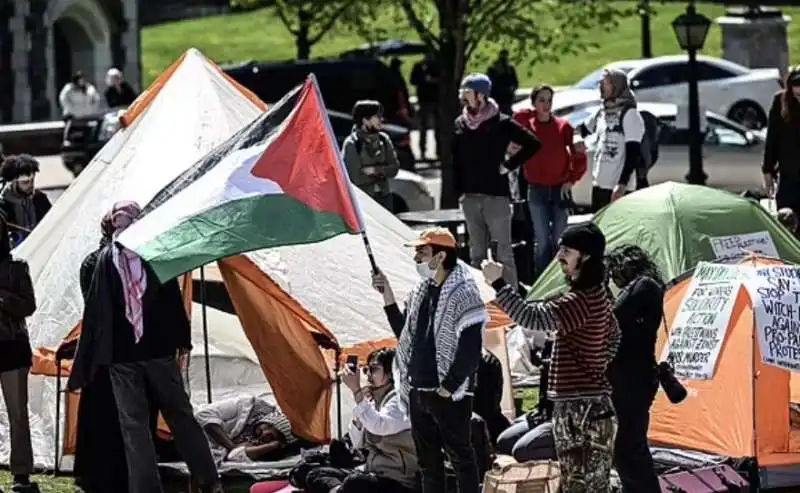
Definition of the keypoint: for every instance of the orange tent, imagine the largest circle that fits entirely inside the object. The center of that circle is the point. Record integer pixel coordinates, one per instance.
(744, 410)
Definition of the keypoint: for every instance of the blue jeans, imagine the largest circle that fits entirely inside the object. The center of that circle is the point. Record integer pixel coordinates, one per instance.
(549, 219)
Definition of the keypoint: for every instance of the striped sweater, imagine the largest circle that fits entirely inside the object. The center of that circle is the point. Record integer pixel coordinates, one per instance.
(585, 332)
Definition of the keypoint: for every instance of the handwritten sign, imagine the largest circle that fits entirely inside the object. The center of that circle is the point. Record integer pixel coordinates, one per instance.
(738, 245)
(775, 294)
(702, 320)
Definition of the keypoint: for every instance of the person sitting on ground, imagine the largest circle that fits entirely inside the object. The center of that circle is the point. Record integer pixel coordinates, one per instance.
(246, 429)
(788, 219)
(489, 395)
(381, 426)
(22, 203)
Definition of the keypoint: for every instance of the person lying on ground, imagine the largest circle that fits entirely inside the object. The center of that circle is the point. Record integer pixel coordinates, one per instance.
(246, 429)
(382, 428)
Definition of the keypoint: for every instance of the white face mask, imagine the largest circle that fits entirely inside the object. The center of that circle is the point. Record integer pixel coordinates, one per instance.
(425, 271)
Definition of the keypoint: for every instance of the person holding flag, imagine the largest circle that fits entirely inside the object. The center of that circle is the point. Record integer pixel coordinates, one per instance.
(440, 333)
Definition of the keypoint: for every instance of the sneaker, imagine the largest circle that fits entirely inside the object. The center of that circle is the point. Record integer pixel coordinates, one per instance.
(31, 487)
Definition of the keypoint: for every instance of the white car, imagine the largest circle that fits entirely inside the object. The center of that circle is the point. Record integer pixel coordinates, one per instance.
(731, 153)
(742, 94)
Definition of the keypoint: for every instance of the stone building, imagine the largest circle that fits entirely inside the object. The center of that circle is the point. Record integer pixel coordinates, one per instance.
(43, 42)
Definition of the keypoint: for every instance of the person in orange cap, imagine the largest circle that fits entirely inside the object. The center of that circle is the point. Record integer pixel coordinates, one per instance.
(440, 332)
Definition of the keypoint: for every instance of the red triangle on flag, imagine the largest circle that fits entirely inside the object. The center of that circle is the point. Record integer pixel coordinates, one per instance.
(304, 161)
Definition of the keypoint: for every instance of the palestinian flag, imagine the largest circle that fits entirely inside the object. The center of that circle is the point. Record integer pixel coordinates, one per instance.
(279, 181)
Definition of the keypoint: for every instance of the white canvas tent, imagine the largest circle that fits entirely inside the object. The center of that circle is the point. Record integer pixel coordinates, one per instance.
(195, 109)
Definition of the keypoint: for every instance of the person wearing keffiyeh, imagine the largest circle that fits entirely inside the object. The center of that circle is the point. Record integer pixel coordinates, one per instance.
(134, 326)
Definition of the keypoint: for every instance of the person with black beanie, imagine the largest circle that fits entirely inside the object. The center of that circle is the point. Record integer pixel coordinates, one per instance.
(585, 339)
(639, 309)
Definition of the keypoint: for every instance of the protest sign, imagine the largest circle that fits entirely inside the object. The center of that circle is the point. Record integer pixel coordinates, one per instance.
(738, 245)
(775, 294)
(701, 322)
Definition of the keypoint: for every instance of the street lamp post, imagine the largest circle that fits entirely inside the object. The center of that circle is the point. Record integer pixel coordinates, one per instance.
(691, 30)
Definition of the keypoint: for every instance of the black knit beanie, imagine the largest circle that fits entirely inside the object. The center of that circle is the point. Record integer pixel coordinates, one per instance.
(585, 238)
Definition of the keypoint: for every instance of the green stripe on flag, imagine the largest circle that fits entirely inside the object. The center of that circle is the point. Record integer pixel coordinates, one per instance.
(229, 229)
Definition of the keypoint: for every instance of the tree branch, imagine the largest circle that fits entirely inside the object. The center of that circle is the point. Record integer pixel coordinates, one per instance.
(424, 33)
(489, 12)
(279, 9)
(332, 18)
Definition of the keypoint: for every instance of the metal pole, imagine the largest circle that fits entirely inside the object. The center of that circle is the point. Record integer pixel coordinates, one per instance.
(644, 14)
(336, 369)
(696, 175)
(205, 332)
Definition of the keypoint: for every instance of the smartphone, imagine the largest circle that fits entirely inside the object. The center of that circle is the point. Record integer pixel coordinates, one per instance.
(493, 250)
(352, 363)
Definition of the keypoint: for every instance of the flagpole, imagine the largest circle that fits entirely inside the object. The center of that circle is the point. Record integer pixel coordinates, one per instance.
(205, 331)
(353, 198)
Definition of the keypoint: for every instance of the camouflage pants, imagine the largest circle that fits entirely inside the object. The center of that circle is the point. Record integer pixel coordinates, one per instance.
(584, 430)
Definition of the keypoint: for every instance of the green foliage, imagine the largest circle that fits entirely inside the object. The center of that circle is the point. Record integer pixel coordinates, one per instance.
(307, 20)
(533, 31)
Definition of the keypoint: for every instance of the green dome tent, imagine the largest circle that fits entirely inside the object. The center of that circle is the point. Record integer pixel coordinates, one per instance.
(676, 224)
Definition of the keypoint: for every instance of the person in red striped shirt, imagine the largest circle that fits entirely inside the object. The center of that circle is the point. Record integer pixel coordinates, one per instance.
(550, 173)
(586, 336)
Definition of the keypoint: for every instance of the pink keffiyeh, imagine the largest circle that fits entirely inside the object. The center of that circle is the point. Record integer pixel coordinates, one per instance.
(129, 266)
(486, 112)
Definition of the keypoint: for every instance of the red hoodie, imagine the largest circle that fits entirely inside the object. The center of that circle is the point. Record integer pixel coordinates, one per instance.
(556, 163)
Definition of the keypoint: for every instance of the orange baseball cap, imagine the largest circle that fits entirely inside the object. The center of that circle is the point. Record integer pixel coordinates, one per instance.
(434, 236)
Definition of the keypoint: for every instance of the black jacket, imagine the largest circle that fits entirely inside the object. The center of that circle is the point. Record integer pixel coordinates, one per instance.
(124, 97)
(107, 336)
(478, 154)
(782, 149)
(639, 311)
(17, 301)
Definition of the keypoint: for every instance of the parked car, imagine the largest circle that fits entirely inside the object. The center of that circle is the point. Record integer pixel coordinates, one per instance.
(342, 82)
(409, 190)
(731, 153)
(89, 134)
(742, 94)
(86, 136)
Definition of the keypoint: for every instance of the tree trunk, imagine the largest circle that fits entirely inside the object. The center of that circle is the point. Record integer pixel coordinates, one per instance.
(452, 37)
(303, 45)
(303, 38)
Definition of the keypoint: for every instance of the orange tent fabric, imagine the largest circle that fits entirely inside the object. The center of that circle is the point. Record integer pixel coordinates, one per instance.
(279, 329)
(743, 411)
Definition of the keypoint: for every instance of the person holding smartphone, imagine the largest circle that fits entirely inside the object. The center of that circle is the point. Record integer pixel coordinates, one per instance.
(381, 427)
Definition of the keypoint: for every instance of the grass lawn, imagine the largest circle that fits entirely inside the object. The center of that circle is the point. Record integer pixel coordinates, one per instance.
(48, 484)
(259, 35)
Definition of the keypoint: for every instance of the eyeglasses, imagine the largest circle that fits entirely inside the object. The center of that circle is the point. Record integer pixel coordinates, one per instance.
(372, 369)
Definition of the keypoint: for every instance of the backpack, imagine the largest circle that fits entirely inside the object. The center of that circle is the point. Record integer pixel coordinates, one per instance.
(652, 133)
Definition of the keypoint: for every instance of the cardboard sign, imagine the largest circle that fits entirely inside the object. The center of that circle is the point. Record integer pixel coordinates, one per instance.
(775, 294)
(701, 322)
(738, 245)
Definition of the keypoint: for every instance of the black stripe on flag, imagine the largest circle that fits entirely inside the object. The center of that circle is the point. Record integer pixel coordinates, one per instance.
(257, 132)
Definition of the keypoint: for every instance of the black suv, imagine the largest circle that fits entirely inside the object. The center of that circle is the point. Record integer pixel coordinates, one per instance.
(342, 83)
